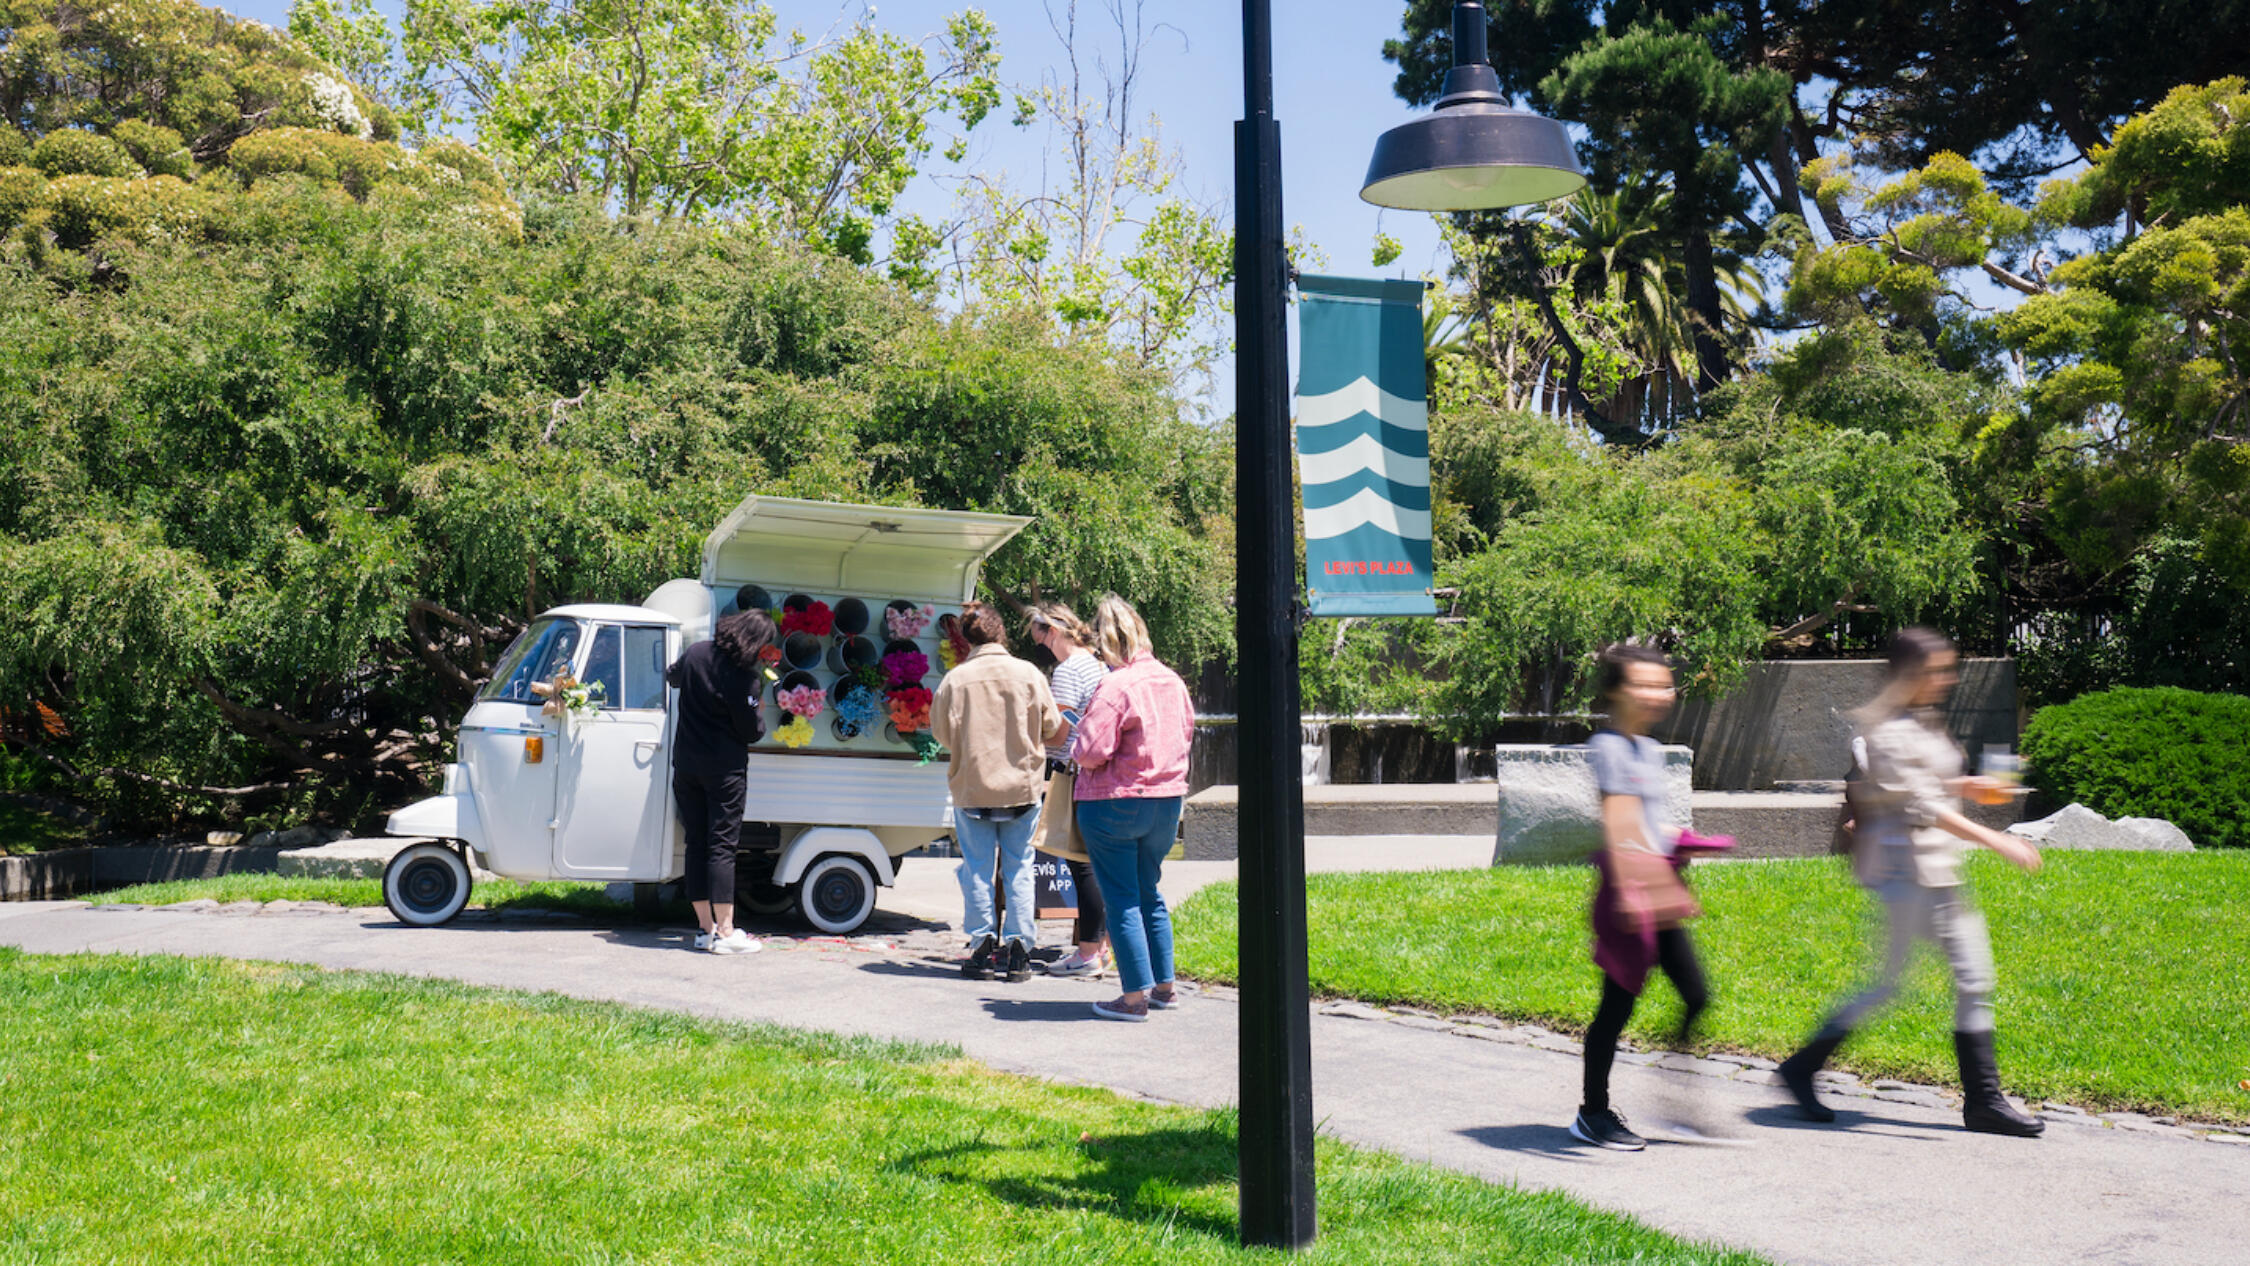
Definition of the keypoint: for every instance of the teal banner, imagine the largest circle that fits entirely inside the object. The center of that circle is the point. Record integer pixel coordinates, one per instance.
(1363, 447)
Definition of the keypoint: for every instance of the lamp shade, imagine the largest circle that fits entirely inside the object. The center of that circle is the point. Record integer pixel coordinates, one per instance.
(1472, 152)
(1469, 158)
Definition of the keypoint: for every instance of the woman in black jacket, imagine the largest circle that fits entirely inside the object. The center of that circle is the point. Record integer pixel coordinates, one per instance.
(719, 683)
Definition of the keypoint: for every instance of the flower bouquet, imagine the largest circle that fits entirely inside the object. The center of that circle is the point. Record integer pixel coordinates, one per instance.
(906, 668)
(801, 696)
(859, 708)
(769, 663)
(572, 699)
(910, 709)
(905, 621)
(813, 617)
(795, 732)
(952, 646)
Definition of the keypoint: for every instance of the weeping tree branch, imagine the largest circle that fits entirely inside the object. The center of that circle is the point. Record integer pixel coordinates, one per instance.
(1819, 620)
(426, 648)
(77, 774)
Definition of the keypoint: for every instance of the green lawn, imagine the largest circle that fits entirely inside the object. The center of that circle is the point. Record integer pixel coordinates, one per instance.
(2124, 978)
(590, 898)
(172, 1110)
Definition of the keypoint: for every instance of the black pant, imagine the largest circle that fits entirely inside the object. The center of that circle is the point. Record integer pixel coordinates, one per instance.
(1675, 953)
(711, 813)
(1089, 924)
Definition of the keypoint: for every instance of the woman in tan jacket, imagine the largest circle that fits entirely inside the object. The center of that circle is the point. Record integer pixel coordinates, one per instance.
(995, 716)
(1908, 844)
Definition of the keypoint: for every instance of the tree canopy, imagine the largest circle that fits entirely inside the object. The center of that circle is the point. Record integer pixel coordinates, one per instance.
(298, 436)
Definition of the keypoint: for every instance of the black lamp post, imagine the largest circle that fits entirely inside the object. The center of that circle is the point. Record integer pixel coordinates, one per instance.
(1473, 152)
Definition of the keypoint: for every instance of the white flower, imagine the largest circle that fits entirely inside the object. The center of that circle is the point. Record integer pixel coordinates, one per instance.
(332, 101)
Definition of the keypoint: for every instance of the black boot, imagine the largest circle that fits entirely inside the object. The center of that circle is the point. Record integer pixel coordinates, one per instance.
(1797, 1071)
(1986, 1110)
(979, 966)
(1019, 962)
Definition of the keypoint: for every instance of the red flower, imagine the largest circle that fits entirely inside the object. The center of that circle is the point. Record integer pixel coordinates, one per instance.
(816, 619)
(910, 709)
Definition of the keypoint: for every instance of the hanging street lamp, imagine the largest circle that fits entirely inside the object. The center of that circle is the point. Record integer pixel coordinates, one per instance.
(1471, 153)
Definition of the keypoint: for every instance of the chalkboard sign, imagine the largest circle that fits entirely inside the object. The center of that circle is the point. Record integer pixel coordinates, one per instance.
(1057, 896)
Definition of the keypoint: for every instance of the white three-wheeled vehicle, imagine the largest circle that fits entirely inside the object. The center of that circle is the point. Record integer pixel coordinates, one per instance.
(587, 795)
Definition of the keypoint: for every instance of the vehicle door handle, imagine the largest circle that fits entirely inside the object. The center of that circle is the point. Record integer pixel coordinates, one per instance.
(654, 745)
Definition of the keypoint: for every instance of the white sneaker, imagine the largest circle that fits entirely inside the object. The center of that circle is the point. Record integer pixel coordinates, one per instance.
(735, 942)
(703, 940)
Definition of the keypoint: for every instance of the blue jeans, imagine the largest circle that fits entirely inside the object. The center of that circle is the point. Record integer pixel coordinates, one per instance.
(983, 843)
(1126, 840)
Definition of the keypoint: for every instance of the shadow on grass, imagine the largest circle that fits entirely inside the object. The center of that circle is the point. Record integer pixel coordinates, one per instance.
(1138, 1177)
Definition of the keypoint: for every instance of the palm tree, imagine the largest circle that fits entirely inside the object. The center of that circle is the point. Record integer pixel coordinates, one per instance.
(1624, 256)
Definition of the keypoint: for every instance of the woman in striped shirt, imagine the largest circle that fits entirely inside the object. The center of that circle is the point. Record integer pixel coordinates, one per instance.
(1058, 629)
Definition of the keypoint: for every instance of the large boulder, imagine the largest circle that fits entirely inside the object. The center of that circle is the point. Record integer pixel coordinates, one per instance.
(2077, 827)
(1550, 811)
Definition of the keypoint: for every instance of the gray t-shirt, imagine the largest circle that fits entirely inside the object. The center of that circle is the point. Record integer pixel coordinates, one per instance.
(1633, 767)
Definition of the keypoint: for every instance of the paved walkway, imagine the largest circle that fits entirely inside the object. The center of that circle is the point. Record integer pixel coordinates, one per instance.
(1894, 1182)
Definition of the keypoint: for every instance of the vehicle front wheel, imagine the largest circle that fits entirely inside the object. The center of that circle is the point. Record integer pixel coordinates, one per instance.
(836, 894)
(426, 884)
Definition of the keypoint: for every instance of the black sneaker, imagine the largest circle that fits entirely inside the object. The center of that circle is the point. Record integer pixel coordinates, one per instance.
(979, 966)
(1602, 1127)
(1019, 962)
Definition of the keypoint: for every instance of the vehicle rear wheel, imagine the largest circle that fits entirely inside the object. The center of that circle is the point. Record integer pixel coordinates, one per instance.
(426, 884)
(836, 894)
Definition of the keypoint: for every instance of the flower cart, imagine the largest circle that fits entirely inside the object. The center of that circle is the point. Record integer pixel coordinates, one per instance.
(563, 766)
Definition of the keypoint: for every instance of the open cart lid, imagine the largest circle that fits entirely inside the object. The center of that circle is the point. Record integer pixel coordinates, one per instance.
(833, 547)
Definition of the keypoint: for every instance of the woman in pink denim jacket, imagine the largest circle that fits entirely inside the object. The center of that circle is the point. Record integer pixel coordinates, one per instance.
(1132, 753)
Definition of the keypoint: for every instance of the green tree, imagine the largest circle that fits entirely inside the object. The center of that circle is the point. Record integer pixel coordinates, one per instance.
(1113, 249)
(297, 441)
(698, 109)
(206, 75)
(1732, 103)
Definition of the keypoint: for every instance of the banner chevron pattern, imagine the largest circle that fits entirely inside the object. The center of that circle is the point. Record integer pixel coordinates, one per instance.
(1363, 447)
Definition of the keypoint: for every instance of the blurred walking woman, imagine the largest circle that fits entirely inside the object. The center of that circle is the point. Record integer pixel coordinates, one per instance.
(1077, 672)
(1908, 843)
(1640, 905)
(1132, 755)
(718, 682)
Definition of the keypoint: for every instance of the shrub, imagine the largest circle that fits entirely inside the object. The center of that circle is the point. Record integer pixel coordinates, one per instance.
(158, 149)
(2163, 752)
(87, 208)
(22, 191)
(70, 152)
(355, 164)
(13, 148)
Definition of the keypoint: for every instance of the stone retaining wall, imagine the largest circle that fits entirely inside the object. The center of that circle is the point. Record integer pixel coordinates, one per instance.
(1789, 720)
(72, 872)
